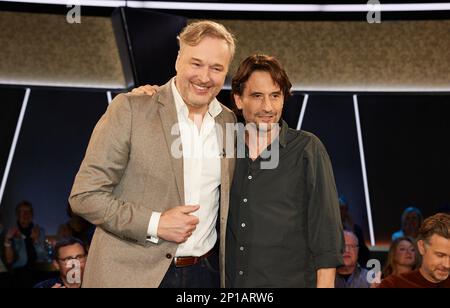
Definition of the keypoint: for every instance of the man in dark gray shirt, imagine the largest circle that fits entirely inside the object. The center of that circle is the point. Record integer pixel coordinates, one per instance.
(284, 227)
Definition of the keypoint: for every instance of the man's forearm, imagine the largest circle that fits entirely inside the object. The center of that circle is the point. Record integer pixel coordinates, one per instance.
(326, 277)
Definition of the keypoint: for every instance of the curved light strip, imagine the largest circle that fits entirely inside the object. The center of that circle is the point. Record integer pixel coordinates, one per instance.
(249, 7)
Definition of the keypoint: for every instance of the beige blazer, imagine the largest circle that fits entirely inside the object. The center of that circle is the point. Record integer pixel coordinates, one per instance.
(128, 172)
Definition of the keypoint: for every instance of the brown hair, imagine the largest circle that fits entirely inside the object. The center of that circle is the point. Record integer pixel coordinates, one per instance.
(254, 63)
(193, 33)
(67, 242)
(437, 224)
(263, 63)
(389, 268)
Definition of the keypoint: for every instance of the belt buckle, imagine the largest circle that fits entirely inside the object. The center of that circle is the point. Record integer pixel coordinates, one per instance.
(176, 259)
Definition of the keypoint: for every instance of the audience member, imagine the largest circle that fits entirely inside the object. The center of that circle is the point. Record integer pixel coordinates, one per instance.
(351, 275)
(76, 227)
(24, 246)
(69, 259)
(411, 221)
(349, 225)
(403, 257)
(4, 274)
(434, 246)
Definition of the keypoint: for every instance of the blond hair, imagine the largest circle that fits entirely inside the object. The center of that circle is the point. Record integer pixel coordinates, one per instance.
(193, 33)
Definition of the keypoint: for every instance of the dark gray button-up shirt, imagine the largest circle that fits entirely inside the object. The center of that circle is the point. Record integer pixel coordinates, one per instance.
(284, 223)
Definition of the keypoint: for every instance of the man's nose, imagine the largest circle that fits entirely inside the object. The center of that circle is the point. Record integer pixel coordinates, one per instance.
(447, 263)
(267, 105)
(204, 75)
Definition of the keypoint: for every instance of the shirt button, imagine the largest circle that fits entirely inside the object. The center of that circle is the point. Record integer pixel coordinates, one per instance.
(168, 256)
(250, 177)
(243, 225)
(245, 200)
(241, 273)
(242, 248)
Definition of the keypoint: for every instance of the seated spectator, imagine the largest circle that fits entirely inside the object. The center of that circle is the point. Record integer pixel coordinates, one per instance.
(69, 259)
(351, 275)
(411, 221)
(4, 274)
(402, 257)
(24, 246)
(76, 227)
(348, 224)
(434, 246)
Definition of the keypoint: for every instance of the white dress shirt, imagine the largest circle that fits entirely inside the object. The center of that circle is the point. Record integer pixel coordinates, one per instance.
(202, 177)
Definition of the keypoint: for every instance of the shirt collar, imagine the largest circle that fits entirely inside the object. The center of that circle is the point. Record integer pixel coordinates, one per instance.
(282, 139)
(214, 108)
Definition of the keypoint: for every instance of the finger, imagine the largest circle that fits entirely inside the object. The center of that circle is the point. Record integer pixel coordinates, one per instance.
(149, 91)
(151, 87)
(187, 209)
(193, 220)
(189, 232)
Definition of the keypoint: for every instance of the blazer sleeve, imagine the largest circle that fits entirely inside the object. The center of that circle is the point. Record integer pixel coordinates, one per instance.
(104, 164)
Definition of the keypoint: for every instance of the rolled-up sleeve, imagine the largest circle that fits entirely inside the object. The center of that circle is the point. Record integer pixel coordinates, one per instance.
(325, 234)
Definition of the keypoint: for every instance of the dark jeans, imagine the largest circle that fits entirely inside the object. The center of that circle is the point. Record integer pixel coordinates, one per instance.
(204, 274)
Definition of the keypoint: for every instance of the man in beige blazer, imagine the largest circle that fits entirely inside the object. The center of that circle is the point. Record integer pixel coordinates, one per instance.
(155, 207)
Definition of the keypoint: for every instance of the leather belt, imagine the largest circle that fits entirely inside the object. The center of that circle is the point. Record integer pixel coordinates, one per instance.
(188, 261)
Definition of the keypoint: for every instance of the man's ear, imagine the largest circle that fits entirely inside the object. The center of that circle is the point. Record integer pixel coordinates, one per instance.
(177, 62)
(56, 265)
(421, 247)
(238, 101)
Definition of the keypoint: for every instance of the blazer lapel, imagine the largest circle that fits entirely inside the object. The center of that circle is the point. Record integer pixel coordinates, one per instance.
(224, 169)
(169, 121)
